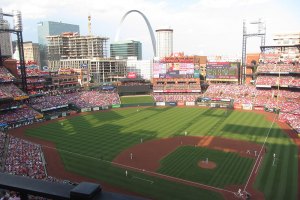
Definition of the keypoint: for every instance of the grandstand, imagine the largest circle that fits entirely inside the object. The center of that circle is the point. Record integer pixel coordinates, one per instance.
(276, 89)
(176, 80)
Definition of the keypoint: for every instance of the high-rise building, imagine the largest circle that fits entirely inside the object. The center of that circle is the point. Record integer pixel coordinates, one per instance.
(73, 46)
(125, 49)
(5, 39)
(164, 42)
(31, 52)
(49, 28)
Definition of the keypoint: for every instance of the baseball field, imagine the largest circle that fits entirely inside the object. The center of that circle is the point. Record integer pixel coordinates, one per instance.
(177, 152)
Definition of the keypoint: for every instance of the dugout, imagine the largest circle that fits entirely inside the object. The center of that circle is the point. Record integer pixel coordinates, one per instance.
(58, 191)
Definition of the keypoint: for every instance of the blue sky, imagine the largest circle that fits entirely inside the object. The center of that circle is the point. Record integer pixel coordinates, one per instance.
(202, 27)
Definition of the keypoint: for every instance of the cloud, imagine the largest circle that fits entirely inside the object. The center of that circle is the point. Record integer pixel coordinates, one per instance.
(229, 3)
(215, 24)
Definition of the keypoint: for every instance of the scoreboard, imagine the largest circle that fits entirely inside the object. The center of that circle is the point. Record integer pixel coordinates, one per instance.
(222, 71)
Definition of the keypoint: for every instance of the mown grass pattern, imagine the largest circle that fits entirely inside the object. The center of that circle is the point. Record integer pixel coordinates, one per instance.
(103, 135)
(183, 163)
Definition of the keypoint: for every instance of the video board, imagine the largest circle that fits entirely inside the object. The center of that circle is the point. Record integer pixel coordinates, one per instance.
(222, 70)
(173, 70)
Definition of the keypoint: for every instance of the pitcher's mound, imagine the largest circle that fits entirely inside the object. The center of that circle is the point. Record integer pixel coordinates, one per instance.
(207, 165)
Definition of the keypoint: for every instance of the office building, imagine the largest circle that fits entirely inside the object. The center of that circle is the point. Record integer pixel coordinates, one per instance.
(49, 28)
(164, 42)
(125, 49)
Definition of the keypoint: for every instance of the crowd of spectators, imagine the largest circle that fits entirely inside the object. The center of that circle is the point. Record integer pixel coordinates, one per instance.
(292, 119)
(278, 68)
(34, 72)
(275, 80)
(5, 75)
(24, 113)
(287, 101)
(295, 82)
(10, 91)
(82, 99)
(9, 195)
(35, 80)
(8, 105)
(47, 102)
(94, 98)
(240, 93)
(24, 158)
(2, 144)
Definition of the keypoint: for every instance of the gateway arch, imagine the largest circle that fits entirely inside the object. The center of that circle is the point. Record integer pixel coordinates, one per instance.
(148, 25)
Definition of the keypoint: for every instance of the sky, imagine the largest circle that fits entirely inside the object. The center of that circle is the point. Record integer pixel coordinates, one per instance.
(201, 27)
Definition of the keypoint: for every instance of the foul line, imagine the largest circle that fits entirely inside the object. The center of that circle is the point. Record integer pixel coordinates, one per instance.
(259, 155)
(144, 171)
(258, 165)
(143, 179)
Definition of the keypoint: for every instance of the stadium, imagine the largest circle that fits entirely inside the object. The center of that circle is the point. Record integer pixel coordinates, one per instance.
(199, 129)
(173, 141)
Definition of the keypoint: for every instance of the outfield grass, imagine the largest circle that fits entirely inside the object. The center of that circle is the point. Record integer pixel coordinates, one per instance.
(103, 135)
(136, 99)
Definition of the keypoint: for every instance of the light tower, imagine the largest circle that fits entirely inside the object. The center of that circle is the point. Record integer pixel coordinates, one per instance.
(17, 29)
(261, 32)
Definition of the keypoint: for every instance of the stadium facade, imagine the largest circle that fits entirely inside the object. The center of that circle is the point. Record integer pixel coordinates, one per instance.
(291, 53)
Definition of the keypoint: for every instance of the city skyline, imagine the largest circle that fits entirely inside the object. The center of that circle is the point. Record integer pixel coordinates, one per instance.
(201, 27)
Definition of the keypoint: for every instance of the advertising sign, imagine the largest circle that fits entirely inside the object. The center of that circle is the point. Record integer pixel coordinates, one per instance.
(190, 103)
(180, 103)
(171, 103)
(160, 103)
(131, 75)
(116, 106)
(222, 70)
(96, 108)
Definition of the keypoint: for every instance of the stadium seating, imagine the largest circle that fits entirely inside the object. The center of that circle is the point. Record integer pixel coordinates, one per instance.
(10, 91)
(24, 158)
(19, 114)
(5, 75)
(266, 68)
(84, 99)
